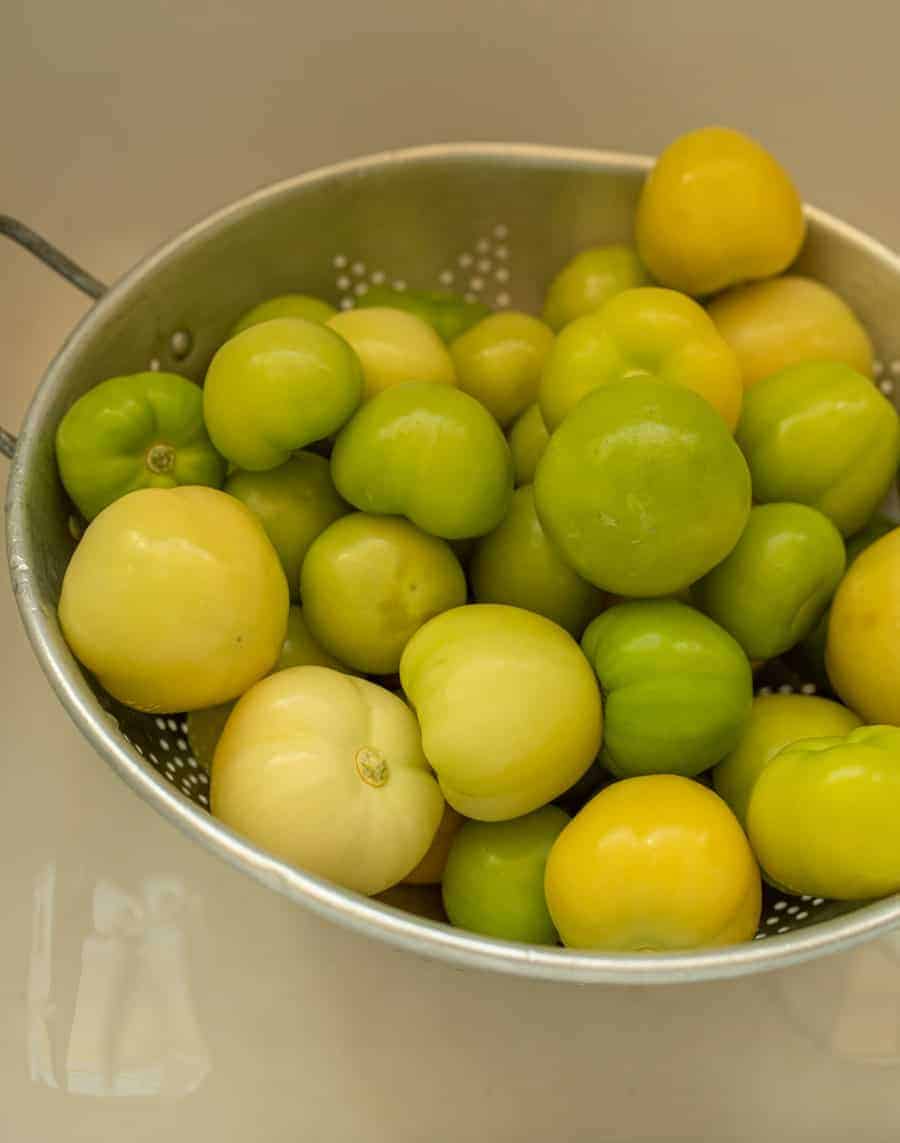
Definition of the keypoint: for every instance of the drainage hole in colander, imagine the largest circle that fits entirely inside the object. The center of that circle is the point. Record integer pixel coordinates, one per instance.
(181, 343)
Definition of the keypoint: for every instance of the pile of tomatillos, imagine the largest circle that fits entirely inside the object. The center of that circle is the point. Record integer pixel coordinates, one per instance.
(475, 599)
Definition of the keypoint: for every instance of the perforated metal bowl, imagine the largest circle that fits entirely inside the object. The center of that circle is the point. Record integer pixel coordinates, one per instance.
(493, 221)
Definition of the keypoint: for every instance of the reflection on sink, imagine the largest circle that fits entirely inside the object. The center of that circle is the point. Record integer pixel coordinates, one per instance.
(867, 1020)
(852, 1013)
(40, 978)
(134, 1029)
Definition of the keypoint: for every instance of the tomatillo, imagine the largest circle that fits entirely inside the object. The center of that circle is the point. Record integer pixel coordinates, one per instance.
(642, 488)
(642, 333)
(821, 434)
(518, 564)
(428, 452)
(277, 387)
(717, 209)
(394, 346)
(294, 502)
(823, 815)
(771, 590)
(370, 582)
(812, 647)
(326, 771)
(175, 599)
(653, 864)
(494, 878)
(509, 708)
(786, 321)
(863, 650)
(145, 430)
(499, 362)
(676, 687)
(286, 305)
(588, 280)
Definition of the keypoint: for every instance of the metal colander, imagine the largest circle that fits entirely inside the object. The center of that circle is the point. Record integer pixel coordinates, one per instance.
(491, 221)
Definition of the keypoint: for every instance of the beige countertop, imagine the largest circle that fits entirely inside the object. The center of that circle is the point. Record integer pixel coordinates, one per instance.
(147, 990)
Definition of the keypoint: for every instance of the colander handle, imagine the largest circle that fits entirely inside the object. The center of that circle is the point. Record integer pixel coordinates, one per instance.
(47, 253)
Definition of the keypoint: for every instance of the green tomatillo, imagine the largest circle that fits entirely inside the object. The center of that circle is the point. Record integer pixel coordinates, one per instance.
(370, 582)
(821, 434)
(642, 488)
(277, 387)
(823, 815)
(145, 430)
(294, 502)
(286, 305)
(589, 279)
(770, 591)
(428, 452)
(494, 877)
(499, 362)
(676, 688)
(518, 564)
